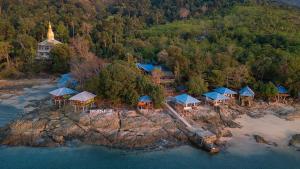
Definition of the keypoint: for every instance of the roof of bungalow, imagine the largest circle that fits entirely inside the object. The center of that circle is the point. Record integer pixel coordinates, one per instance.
(247, 91)
(215, 96)
(147, 67)
(145, 99)
(282, 90)
(67, 79)
(62, 92)
(186, 99)
(83, 96)
(224, 90)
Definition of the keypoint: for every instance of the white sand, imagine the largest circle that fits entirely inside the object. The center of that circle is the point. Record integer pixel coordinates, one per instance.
(272, 128)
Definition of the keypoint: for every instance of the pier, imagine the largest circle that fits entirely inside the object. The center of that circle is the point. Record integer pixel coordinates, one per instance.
(199, 137)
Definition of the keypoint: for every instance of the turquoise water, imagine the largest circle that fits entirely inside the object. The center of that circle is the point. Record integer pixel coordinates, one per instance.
(101, 158)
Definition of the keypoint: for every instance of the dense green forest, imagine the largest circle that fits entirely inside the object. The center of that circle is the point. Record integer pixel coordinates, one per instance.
(206, 43)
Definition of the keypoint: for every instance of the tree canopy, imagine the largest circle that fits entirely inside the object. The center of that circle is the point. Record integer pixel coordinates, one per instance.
(205, 44)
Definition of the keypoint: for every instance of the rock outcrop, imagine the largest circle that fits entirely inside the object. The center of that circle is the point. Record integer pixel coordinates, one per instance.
(118, 128)
(295, 141)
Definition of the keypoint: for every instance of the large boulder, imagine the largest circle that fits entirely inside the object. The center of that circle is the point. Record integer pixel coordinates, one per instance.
(260, 139)
(295, 141)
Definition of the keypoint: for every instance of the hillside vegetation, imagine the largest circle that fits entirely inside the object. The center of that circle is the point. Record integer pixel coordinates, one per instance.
(211, 42)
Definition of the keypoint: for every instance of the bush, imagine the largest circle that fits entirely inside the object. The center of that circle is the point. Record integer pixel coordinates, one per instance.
(121, 82)
(10, 73)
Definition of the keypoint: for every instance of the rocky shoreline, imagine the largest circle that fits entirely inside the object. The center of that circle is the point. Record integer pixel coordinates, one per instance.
(48, 126)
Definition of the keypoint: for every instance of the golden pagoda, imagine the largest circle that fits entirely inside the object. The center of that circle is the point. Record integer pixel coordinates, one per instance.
(44, 48)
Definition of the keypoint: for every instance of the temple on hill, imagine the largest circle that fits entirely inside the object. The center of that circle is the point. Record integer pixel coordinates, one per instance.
(44, 48)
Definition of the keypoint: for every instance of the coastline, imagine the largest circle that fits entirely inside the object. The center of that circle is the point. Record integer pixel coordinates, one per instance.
(151, 131)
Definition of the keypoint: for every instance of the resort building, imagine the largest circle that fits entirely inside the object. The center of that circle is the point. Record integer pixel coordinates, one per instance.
(215, 98)
(44, 48)
(160, 75)
(147, 68)
(246, 96)
(145, 102)
(185, 102)
(226, 92)
(83, 100)
(61, 95)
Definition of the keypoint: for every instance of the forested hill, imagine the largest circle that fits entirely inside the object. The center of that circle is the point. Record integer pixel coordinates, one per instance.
(206, 43)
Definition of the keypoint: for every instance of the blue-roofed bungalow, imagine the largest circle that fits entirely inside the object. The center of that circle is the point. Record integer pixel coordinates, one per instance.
(147, 68)
(246, 96)
(215, 98)
(185, 101)
(145, 102)
(282, 93)
(61, 95)
(226, 92)
(67, 80)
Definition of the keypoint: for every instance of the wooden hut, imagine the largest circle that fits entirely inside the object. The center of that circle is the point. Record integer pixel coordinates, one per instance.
(83, 100)
(61, 95)
(145, 102)
(282, 94)
(246, 96)
(215, 98)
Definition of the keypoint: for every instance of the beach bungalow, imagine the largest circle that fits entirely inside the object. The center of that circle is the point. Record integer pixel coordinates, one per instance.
(215, 98)
(246, 96)
(145, 102)
(83, 100)
(61, 95)
(226, 92)
(282, 94)
(185, 101)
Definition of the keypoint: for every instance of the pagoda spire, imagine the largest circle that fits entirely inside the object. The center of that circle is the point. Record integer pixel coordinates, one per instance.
(50, 34)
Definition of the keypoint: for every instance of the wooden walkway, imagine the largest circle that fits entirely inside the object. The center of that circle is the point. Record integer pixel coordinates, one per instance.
(198, 132)
(175, 114)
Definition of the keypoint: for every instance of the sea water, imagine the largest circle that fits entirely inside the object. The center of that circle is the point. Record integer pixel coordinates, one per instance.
(185, 157)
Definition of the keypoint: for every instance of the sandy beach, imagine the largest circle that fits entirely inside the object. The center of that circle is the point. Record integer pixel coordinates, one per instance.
(270, 127)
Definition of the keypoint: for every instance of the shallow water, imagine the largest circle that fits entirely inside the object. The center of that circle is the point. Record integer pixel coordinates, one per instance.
(92, 157)
(179, 158)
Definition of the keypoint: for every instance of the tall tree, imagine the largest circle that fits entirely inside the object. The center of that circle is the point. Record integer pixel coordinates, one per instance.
(4, 52)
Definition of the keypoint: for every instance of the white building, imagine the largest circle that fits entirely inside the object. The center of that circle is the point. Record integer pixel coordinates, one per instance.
(44, 48)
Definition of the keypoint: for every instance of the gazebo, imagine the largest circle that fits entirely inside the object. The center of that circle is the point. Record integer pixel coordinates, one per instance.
(61, 95)
(145, 102)
(83, 100)
(186, 101)
(215, 98)
(246, 96)
(225, 91)
(282, 93)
